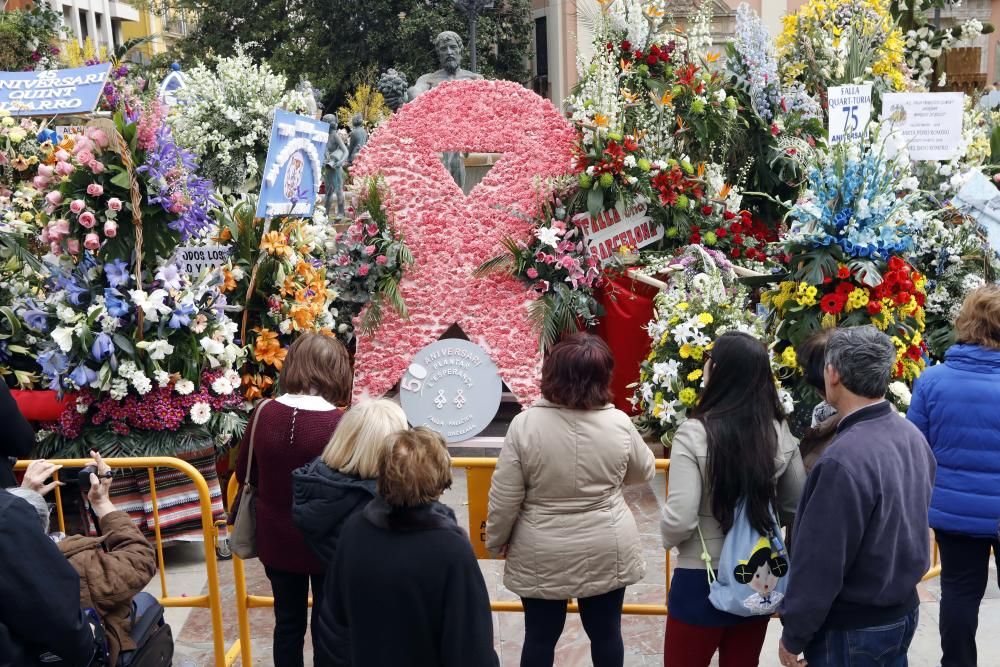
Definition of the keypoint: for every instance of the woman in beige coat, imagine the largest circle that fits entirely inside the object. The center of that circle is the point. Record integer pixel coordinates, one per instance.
(556, 505)
(735, 447)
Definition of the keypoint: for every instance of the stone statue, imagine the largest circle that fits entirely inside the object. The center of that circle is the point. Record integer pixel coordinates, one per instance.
(359, 137)
(449, 50)
(333, 167)
(312, 107)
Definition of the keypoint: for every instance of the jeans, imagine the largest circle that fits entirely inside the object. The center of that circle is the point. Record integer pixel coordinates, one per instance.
(880, 646)
(291, 608)
(965, 568)
(601, 616)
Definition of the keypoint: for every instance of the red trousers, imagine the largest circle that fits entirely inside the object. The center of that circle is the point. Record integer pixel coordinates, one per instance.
(694, 645)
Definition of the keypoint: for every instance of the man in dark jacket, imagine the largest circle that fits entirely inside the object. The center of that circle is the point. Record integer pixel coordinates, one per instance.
(39, 594)
(18, 437)
(861, 539)
(405, 589)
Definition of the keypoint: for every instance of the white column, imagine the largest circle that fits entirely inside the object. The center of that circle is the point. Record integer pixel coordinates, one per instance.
(95, 37)
(771, 12)
(109, 36)
(74, 21)
(557, 36)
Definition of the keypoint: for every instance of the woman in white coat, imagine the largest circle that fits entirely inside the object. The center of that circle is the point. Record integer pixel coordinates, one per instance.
(557, 508)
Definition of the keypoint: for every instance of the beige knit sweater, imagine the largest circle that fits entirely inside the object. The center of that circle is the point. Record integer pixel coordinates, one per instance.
(689, 503)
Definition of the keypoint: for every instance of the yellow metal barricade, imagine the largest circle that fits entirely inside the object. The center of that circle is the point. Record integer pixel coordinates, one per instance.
(212, 601)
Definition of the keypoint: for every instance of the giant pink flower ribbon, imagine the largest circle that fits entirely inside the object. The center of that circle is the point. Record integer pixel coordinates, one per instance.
(451, 234)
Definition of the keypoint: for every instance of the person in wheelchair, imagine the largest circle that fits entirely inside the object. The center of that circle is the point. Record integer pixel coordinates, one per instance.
(113, 567)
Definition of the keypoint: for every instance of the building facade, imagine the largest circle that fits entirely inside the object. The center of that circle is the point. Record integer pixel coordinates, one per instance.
(101, 21)
(563, 31)
(164, 28)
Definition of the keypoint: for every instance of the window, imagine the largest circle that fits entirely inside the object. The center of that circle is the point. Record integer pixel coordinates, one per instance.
(540, 82)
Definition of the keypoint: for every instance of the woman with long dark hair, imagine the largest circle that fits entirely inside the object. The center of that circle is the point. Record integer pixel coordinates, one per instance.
(736, 446)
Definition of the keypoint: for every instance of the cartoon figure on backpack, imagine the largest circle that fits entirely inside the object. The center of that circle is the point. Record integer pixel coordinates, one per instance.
(761, 573)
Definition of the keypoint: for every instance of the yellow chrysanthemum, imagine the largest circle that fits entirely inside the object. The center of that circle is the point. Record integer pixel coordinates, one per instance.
(706, 318)
(688, 396)
(685, 351)
(788, 358)
(694, 375)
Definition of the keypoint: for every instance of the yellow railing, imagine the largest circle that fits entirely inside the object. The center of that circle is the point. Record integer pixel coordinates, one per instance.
(212, 600)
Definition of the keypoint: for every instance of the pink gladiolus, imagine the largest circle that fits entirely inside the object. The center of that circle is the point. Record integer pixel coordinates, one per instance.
(64, 168)
(115, 204)
(73, 245)
(95, 166)
(532, 273)
(111, 229)
(87, 219)
(77, 205)
(363, 270)
(92, 241)
(95, 189)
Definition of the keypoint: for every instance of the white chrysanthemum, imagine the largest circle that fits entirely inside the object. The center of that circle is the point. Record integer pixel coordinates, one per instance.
(142, 384)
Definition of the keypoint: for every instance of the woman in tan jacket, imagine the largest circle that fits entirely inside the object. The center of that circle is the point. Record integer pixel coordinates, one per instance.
(735, 446)
(556, 505)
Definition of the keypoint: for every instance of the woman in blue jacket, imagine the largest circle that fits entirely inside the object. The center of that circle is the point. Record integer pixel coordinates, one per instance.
(957, 406)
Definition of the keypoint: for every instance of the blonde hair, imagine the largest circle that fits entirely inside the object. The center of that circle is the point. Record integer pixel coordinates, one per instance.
(978, 322)
(416, 469)
(362, 437)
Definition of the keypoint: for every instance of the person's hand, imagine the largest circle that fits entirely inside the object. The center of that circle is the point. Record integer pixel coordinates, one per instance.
(37, 473)
(100, 487)
(503, 550)
(788, 659)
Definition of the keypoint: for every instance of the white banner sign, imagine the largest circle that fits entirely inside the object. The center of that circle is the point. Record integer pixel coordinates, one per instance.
(928, 124)
(195, 259)
(621, 226)
(850, 111)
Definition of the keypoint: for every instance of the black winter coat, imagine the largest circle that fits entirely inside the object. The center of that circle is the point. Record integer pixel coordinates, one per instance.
(323, 499)
(39, 594)
(18, 437)
(405, 590)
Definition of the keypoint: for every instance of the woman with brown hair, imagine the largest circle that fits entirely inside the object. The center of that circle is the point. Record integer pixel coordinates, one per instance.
(957, 407)
(288, 433)
(557, 508)
(405, 589)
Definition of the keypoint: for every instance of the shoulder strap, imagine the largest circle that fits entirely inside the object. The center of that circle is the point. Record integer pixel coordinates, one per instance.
(705, 556)
(253, 432)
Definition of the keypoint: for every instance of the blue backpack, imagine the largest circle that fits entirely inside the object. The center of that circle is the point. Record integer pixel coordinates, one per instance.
(753, 569)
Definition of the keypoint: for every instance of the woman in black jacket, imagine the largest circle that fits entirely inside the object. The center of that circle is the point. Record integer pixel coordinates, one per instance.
(404, 564)
(18, 438)
(341, 482)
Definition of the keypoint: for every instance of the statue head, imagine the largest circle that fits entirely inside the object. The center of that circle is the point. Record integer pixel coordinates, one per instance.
(449, 49)
(357, 120)
(332, 120)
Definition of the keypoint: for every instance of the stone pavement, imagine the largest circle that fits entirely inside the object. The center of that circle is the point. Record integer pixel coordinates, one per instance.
(643, 635)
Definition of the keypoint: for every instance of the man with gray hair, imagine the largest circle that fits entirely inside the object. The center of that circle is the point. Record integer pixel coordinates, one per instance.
(861, 541)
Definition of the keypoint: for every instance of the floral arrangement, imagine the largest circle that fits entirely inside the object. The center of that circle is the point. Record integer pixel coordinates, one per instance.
(954, 252)
(368, 263)
(944, 179)
(835, 42)
(29, 38)
(703, 301)
(855, 209)
(926, 43)
(225, 112)
(451, 235)
(557, 264)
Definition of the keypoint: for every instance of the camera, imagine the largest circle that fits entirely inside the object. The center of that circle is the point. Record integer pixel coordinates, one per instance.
(83, 477)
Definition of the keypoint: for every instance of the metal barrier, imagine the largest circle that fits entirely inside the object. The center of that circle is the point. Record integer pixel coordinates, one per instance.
(212, 600)
(479, 472)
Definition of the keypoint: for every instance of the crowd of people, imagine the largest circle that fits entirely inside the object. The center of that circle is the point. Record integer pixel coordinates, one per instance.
(348, 505)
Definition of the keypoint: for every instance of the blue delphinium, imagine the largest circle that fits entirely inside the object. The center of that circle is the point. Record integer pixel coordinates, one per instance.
(117, 273)
(176, 186)
(756, 63)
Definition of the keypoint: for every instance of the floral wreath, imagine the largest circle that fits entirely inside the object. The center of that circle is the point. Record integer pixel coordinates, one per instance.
(451, 235)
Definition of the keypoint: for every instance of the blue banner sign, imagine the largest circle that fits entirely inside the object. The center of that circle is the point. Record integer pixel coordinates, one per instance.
(293, 171)
(53, 92)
